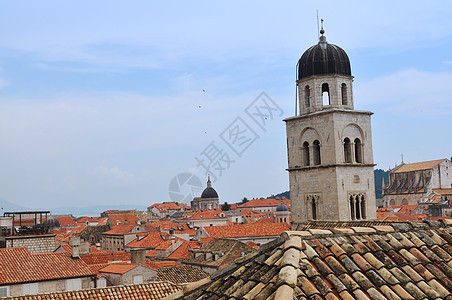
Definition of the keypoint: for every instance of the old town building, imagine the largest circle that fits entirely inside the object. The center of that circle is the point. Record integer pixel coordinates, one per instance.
(330, 160)
(409, 183)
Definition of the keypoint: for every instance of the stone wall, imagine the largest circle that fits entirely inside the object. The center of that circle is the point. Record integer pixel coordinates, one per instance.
(34, 244)
(50, 286)
(331, 182)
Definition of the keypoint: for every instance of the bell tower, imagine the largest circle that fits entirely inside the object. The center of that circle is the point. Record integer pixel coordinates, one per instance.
(329, 143)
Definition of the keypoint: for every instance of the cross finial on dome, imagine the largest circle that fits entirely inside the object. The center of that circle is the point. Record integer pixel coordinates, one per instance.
(209, 184)
(322, 31)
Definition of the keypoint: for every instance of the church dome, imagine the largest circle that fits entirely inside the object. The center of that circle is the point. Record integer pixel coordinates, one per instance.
(282, 207)
(324, 59)
(209, 191)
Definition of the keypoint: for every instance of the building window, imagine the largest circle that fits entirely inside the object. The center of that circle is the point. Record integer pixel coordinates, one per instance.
(344, 94)
(363, 207)
(358, 151)
(352, 207)
(314, 209)
(307, 96)
(317, 160)
(392, 202)
(347, 150)
(326, 94)
(404, 202)
(305, 151)
(358, 208)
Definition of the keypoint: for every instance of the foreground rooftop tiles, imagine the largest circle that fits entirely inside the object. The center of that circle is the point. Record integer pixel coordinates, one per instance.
(151, 290)
(343, 260)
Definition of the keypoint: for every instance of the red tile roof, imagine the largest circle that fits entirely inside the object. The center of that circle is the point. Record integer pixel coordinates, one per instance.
(152, 240)
(151, 290)
(424, 165)
(204, 214)
(66, 221)
(86, 219)
(247, 230)
(156, 264)
(167, 225)
(120, 229)
(18, 265)
(104, 257)
(264, 203)
(118, 268)
(123, 219)
(443, 191)
(165, 206)
(182, 251)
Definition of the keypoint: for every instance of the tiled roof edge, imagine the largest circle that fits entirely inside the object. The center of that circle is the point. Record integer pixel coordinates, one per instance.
(264, 248)
(41, 295)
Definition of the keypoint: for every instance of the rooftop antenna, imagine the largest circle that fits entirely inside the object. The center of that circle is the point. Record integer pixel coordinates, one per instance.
(318, 29)
(402, 158)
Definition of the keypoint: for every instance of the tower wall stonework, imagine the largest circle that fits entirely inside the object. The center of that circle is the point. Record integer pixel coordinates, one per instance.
(315, 92)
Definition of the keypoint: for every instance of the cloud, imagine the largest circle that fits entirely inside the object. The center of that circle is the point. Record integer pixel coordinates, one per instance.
(117, 176)
(409, 92)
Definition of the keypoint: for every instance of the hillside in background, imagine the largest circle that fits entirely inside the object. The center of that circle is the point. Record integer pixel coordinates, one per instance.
(379, 174)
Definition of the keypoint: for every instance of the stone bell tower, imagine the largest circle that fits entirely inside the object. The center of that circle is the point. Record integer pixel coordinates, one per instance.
(329, 143)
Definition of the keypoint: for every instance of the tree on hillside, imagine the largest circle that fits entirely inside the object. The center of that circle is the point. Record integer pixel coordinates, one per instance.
(244, 200)
(225, 207)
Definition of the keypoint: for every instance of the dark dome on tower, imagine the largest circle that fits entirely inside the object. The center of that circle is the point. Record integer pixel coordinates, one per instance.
(324, 59)
(282, 207)
(209, 191)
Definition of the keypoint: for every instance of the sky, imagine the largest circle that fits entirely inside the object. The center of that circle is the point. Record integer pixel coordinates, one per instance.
(118, 102)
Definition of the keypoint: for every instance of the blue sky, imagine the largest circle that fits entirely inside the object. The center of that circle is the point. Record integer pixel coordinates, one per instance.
(105, 102)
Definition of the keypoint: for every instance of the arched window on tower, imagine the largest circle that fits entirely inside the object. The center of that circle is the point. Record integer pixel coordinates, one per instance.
(326, 94)
(307, 96)
(352, 208)
(363, 207)
(344, 94)
(305, 151)
(358, 208)
(358, 151)
(347, 150)
(316, 153)
(314, 209)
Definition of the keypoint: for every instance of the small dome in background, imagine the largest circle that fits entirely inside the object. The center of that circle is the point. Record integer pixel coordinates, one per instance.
(209, 191)
(282, 207)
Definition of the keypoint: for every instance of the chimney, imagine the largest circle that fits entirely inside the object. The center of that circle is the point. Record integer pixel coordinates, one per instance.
(138, 256)
(84, 248)
(172, 242)
(74, 242)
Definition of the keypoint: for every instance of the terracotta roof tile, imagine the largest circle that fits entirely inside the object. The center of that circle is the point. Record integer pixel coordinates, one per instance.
(151, 240)
(247, 230)
(181, 274)
(425, 165)
(66, 221)
(118, 268)
(120, 229)
(407, 261)
(18, 265)
(104, 257)
(151, 290)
